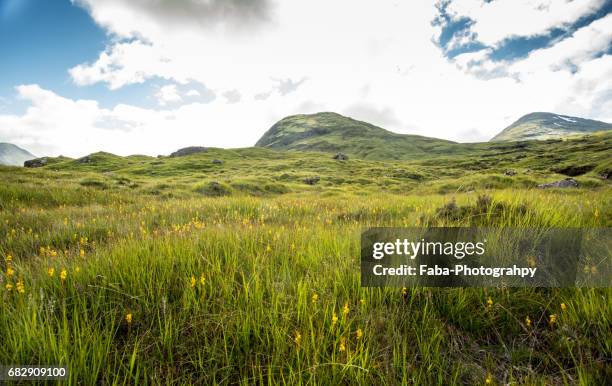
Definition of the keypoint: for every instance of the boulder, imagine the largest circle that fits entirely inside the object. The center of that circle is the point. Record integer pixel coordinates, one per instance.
(341, 157)
(36, 163)
(189, 151)
(312, 180)
(566, 183)
(84, 160)
(217, 161)
(510, 173)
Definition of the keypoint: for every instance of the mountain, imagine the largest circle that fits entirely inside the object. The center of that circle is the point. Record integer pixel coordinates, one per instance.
(548, 125)
(331, 132)
(13, 155)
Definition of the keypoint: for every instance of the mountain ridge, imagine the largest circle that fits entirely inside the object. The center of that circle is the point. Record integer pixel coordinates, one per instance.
(332, 132)
(545, 125)
(13, 155)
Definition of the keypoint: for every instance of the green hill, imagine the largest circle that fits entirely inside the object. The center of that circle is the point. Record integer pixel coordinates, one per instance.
(13, 155)
(331, 132)
(539, 126)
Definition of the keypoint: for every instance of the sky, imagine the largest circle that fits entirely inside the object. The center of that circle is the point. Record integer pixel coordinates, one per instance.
(152, 76)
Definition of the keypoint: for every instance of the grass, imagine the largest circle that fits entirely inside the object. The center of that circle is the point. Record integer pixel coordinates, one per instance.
(142, 270)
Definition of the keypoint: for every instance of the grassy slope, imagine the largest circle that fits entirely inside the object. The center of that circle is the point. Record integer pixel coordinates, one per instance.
(135, 236)
(331, 132)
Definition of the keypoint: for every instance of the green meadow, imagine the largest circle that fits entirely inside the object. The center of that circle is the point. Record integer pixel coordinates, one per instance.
(137, 270)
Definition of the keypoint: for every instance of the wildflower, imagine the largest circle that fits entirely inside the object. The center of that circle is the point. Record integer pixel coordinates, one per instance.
(404, 291)
(362, 302)
(63, 274)
(298, 338)
(345, 309)
(128, 318)
(202, 279)
(51, 272)
(359, 333)
(82, 253)
(193, 281)
(10, 272)
(528, 321)
(314, 298)
(342, 347)
(531, 261)
(488, 380)
(8, 287)
(77, 269)
(268, 248)
(334, 319)
(20, 286)
(9, 258)
(563, 307)
(552, 319)
(489, 302)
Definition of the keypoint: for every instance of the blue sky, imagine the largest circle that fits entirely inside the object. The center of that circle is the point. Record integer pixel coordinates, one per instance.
(41, 39)
(146, 76)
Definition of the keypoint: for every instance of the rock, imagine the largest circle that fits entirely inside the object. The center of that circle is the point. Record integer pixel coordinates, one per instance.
(217, 161)
(189, 151)
(312, 180)
(36, 163)
(341, 157)
(510, 173)
(566, 183)
(84, 160)
(606, 175)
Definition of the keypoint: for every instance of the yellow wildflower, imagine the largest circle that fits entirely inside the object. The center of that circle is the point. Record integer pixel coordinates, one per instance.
(563, 307)
(528, 321)
(63, 274)
(9, 258)
(314, 298)
(359, 333)
(8, 287)
(268, 248)
(334, 319)
(298, 338)
(488, 380)
(552, 319)
(10, 272)
(202, 279)
(342, 345)
(345, 309)
(128, 318)
(77, 269)
(82, 253)
(362, 302)
(51, 272)
(20, 286)
(404, 291)
(193, 281)
(489, 302)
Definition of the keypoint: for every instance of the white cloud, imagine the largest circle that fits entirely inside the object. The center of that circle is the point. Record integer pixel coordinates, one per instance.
(501, 19)
(376, 63)
(193, 93)
(168, 94)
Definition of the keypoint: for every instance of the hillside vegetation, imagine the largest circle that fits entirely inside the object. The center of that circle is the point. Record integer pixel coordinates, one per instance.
(240, 267)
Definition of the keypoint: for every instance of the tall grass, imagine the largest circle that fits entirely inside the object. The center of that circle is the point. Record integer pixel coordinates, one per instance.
(258, 290)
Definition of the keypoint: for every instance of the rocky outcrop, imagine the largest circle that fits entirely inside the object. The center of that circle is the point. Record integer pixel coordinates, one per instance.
(36, 163)
(566, 183)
